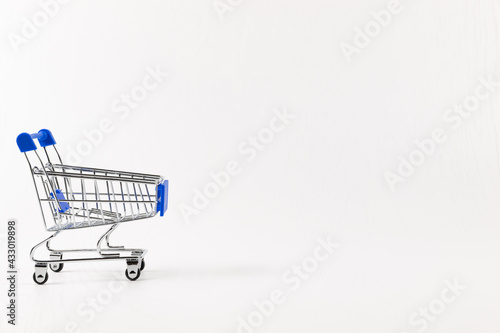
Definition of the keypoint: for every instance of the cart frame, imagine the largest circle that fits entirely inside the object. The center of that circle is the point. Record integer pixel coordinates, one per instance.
(70, 205)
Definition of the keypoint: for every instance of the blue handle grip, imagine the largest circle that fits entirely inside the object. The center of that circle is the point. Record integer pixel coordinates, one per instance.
(39, 136)
(25, 141)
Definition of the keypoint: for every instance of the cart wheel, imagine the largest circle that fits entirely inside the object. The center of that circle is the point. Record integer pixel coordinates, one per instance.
(40, 279)
(143, 265)
(134, 274)
(57, 267)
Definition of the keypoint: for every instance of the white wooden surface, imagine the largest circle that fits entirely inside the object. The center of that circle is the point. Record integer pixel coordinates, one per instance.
(322, 175)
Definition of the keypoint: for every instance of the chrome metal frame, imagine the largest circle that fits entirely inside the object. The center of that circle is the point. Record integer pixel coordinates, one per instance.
(62, 190)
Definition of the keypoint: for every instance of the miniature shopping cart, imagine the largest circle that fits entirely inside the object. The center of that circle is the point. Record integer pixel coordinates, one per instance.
(80, 197)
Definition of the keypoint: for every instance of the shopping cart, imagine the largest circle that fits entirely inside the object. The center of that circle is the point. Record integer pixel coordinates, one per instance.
(80, 197)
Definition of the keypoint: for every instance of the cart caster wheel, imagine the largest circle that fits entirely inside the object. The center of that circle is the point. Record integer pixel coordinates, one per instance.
(40, 279)
(57, 267)
(133, 275)
(143, 265)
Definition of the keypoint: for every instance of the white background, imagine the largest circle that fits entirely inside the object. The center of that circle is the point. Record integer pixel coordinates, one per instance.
(321, 176)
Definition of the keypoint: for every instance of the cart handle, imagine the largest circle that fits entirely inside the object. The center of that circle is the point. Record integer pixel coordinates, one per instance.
(25, 141)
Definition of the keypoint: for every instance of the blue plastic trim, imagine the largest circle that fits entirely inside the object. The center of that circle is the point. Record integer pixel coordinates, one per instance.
(60, 197)
(45, 138)
(25, 142)
(162, 195)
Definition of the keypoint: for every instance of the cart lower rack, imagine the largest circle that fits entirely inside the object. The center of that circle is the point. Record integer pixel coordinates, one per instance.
(80, 197)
